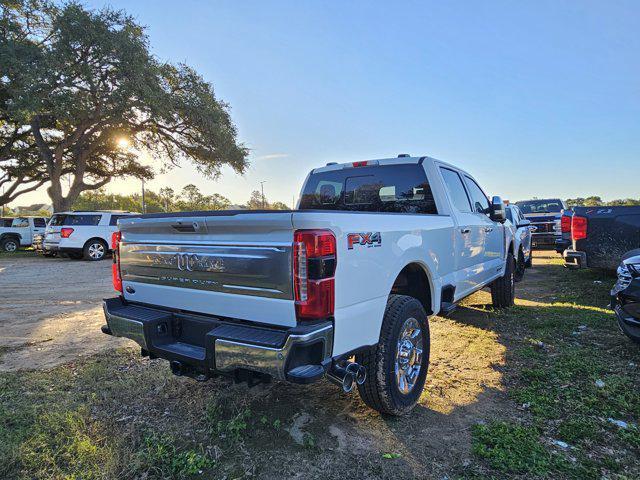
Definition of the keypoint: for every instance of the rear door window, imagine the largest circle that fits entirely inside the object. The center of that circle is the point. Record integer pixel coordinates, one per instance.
(456, 190)
(39, 222)
(388, 188)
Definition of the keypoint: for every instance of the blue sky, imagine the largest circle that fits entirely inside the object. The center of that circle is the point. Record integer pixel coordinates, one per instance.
(533, 98)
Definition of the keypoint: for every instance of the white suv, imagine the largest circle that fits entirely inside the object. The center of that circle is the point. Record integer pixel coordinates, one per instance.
(82, 234)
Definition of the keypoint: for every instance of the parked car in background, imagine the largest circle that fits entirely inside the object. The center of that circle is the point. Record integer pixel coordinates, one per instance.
(341, 287)
(521, 231)
(545, 216)
(19, 231)
(81, 234)
(564, 240)
(602, 235)
(625, 295)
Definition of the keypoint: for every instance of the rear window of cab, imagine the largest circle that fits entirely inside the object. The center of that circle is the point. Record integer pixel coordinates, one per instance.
(387, 188)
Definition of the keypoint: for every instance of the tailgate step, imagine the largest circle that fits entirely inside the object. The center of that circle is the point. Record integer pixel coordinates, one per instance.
(135, 312)
(305, 373)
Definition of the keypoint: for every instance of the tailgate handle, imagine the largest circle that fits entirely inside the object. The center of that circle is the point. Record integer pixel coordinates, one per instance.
(190, 226)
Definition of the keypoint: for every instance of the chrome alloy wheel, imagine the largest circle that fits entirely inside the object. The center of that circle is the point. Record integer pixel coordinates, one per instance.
(408, 355)
(96, 251)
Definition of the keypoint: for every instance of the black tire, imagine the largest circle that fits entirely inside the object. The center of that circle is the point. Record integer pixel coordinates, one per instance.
(95, 250)
(632, 333)
(503, 289)
(10, 245)
(520, 267)
(380, 390)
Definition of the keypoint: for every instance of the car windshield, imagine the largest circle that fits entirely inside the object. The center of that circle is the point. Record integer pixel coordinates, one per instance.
(540, 206)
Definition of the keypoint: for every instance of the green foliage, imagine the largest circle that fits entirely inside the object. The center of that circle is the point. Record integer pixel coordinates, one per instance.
(258, 202)
(88, 98)
(166, 200)
(512, 448)
(66, 445)
(595, 201)
(161, 458)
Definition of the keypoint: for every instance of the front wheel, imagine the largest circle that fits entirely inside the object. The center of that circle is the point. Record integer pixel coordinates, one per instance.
(397, 366)
(503, 289)
(9, 245)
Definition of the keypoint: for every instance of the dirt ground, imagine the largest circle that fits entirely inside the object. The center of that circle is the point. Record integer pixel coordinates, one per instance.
(51, 312)
(51, 316)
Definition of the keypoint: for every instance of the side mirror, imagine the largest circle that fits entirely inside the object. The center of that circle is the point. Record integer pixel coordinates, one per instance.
(497, 213)
(524, 223)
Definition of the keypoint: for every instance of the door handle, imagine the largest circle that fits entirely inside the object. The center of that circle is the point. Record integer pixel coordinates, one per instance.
(488, 229)
(465, 230)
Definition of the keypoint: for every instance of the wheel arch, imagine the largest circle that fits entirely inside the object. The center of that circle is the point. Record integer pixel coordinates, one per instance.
(415, 280)
(100, 239)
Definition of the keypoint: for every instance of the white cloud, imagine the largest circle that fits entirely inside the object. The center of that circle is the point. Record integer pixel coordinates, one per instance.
(273, 156)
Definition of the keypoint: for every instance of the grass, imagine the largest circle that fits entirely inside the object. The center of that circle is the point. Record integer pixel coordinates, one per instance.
(570, 371)
(115, 415)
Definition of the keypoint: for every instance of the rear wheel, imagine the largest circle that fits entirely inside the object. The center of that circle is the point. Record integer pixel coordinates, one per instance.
(520, 267)
(95, 250)
(9, 245)
(397, 366)
(503, 289)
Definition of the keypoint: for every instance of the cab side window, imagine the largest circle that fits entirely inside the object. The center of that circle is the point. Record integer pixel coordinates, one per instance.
(39, 222)
(478, 198)
(456, 190)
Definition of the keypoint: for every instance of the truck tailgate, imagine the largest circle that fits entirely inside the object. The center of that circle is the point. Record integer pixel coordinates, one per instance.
(227, 264)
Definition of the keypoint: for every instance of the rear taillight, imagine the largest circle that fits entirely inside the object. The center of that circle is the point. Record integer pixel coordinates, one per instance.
(578, 228)
(115, 268)
(66, 232)
(314, 266)
(565, 224)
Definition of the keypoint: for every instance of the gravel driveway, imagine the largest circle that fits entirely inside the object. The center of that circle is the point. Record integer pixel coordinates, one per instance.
(51, 310)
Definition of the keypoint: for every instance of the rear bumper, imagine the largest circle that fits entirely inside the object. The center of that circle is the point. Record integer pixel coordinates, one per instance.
(574, 258)
(209, 345)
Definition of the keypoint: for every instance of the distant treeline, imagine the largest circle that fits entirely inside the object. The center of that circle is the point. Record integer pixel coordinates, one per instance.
(595, 201)
(167, 200)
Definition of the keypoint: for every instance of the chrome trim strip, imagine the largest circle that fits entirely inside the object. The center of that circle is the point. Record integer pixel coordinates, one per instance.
(230, 355)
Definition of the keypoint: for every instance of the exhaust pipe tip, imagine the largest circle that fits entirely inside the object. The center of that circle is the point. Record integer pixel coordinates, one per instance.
(348, 382)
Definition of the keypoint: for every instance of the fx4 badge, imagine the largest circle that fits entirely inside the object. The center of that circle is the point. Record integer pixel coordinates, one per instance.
(369, 239)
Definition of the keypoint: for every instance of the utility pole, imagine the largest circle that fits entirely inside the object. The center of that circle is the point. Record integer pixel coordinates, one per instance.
(262, 188)
(144, 205)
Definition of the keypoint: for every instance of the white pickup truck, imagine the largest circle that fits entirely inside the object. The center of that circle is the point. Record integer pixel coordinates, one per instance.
(19, 231)
(341, 287)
